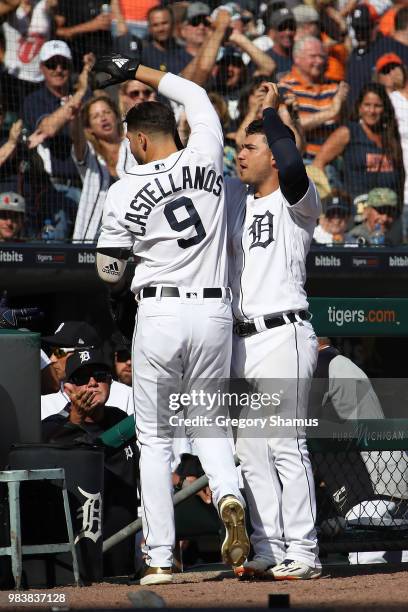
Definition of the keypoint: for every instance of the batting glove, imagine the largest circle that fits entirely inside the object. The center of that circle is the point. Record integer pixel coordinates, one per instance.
(13, 318)
(114, 69)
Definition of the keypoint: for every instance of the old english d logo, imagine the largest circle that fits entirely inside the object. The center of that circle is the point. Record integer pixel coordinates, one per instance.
(261, 230)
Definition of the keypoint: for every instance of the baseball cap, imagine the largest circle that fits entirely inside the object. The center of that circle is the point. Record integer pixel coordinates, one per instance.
(382, 196)
(339, 204)
(196, 9)
(386, 59)
(53, 48)
(361, 18)
(305, 14)
(229, 55)
(11, 201)
(73, 334)
(276, 18)
(85, 358)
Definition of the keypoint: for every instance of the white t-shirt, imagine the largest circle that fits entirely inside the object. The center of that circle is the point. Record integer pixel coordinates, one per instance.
(171, 211)
(268, 240)
(120, 396)
(400, 104)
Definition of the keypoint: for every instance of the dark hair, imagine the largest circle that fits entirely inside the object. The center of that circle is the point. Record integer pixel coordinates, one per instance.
(156, 9)
(388, 128)
(401, 19)
(153, 117)
(255, 127)
(247, 91)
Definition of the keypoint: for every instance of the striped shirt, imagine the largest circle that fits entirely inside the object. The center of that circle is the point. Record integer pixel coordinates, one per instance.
(311, 98)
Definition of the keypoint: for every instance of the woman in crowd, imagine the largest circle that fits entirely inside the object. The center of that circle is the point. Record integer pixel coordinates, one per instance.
(102, 155)
(369, 144)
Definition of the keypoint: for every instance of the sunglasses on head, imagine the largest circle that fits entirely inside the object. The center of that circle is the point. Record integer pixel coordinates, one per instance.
(56, 61)
(388, 67)
(136, 93)
(198, 20)
(82, 377)
(123, 355)
(287, 25)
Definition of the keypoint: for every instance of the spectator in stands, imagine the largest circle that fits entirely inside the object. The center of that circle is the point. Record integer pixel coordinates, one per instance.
(25, 31)
(89, 413)
(195, 27)
(400, 34)
(369, 144)
(67, 338)
(133, 93)
(319, 101)
(334, 222)
(85, 26)
(131, 17)
(390, 71)
(281, 29)
(307, 21)
(163, 52)
(380, 213)
(12, 211)
(102, 155)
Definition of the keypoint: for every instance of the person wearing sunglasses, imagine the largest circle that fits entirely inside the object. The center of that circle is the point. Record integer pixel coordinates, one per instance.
(133, 93)
(123, 365)
(333, 223)
(71, 336)
(46, 115)
(89, 412)
(195, 27)
(12, 212)
(379, 214)
(281, 29)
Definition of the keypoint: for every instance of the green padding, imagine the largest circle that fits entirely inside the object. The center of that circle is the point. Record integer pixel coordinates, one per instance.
(119, 433)
(363, 435)
(360, 316)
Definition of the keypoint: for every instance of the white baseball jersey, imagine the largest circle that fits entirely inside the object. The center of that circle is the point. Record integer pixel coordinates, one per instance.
(171, 211)
(268, 240)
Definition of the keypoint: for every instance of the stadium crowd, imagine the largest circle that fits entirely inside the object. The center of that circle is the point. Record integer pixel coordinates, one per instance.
(341, 66)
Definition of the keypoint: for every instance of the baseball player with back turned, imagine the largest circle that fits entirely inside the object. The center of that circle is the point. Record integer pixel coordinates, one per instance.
(170, 211)
(272, 213)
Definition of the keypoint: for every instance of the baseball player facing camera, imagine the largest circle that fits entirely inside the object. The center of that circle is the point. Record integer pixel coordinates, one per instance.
(170, 211)
(272, 213)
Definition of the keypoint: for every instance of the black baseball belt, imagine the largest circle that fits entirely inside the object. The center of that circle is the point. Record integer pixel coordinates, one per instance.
(247, 328)
(207, 292)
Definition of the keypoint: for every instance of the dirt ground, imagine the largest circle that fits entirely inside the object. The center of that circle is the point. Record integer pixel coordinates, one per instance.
(339, 589)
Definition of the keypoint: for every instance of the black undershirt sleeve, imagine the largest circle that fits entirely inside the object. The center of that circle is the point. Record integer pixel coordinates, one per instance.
(293, 179)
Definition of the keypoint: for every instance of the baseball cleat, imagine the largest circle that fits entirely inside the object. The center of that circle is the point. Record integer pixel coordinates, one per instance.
(156, 575)
(294, 570)
(253, 570)
(235, 547)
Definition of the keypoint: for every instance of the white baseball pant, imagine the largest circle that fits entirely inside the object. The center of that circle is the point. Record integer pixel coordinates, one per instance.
(277, 472)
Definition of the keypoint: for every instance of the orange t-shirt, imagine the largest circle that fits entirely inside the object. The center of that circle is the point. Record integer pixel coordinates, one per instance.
(336, 61)
(136, 10)
(386, 25)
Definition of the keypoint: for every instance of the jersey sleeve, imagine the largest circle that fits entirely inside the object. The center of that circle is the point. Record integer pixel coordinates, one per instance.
(206, 131)
(307, 208)
(113, 231)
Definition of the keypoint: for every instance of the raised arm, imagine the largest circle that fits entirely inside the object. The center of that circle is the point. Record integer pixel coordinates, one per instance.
(205, 125)
(8, 6)
(293, 179)
(332, 148)
(263, 62)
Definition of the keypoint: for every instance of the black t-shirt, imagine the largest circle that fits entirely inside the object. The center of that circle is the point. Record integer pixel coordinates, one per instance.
(38, 105)
(283, 63)
(121, 464)
(81, 11)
